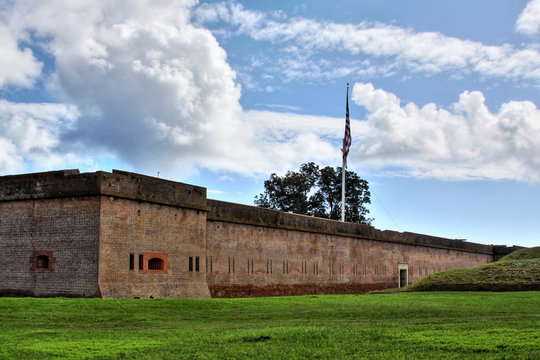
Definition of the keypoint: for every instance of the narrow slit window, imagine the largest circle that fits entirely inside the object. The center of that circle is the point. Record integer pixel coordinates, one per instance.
(131, 261)
(196, 263)
(190, 264)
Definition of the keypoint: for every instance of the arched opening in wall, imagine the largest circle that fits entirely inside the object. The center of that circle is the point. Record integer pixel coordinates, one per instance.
(155, 264)
(42, 262)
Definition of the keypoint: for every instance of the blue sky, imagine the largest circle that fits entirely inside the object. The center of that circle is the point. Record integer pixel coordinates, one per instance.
(444, 100)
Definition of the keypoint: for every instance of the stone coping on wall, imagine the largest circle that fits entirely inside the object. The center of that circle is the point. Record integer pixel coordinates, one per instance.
(257, 216)
(121, 184)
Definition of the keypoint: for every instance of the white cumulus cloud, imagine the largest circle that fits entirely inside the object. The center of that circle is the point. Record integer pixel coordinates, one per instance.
(467, 141)
(18, 67)
(142, 84)
(528, 21)
(151, 89)
(30, 135)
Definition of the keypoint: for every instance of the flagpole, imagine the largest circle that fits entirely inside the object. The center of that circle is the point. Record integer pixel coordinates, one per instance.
(343, 191)
(345, 151)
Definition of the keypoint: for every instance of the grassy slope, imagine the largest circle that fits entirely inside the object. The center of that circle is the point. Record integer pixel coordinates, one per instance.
(523, 254)
(450, 325)
(517, 271)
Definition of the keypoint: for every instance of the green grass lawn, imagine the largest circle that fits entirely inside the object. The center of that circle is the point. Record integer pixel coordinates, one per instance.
(517, 271)
(451, 325)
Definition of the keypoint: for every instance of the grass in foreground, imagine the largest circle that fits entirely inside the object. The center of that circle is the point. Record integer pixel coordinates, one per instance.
(447, 325)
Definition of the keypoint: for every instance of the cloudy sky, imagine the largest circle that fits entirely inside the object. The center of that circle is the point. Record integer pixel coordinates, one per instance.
(443, 99)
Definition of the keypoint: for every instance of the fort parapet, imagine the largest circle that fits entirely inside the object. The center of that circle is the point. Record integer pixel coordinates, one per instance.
(121, 234)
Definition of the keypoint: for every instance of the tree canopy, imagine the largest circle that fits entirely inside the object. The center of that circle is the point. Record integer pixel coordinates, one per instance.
(317, 192)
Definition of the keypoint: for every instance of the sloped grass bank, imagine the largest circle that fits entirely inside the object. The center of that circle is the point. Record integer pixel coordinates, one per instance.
(518, 271)
(523, 254)
(450, 325)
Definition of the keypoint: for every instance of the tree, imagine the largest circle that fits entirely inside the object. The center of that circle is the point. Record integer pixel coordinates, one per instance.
(317, 192)
(289, 192)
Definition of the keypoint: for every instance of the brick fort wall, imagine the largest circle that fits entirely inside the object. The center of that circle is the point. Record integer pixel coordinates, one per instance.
(261, 252)
(142, 231)
(125, 235)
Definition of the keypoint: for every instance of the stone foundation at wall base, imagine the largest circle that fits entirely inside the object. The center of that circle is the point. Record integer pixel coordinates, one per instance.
(236, 291)
(30, 293)
(16, 293)
(156, 291)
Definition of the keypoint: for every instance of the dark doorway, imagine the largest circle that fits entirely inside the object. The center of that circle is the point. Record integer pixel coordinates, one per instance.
(403, 278)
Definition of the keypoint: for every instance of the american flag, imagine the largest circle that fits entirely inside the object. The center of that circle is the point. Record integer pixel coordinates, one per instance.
(347, 138)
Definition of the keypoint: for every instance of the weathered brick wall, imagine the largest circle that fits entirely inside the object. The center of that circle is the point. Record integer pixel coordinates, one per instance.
(65, 230)
(71, 234)
(151, 230)
(82, 225)
(283, 258)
